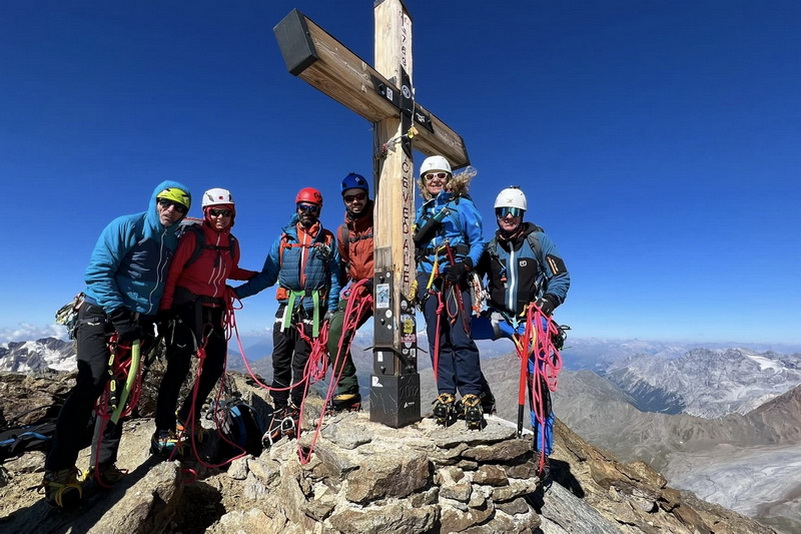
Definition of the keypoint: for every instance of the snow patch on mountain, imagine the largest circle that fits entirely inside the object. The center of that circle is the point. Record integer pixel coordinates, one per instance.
(35, 356)
(704, 382)
(765, 363)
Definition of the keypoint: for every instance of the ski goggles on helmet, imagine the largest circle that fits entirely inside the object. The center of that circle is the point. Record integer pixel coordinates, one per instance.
(310, 208)
(503, 212)
(178, 197)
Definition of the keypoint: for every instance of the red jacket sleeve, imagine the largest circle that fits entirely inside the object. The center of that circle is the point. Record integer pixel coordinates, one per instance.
(237, 273)
(186, 246)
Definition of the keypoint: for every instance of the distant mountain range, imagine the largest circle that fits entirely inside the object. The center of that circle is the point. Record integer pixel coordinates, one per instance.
(33, 356)
(650, 376)
(751, 462)
(696, 413)
(703, 382)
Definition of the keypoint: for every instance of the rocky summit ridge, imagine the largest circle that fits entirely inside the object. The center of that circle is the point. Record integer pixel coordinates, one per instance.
(363, 477)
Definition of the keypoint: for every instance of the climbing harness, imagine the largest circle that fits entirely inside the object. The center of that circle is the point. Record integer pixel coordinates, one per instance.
(123, 368)
(438, 286)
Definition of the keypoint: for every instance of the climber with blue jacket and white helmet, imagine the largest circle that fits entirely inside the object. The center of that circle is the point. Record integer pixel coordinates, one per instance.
(449, 240)
(523, 267)
(124, 284)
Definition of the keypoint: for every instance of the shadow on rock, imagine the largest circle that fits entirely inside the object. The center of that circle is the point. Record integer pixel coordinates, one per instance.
(106, 510)
(559, 474)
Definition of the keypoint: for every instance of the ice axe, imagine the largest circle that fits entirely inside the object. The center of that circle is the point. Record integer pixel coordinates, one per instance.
(521, 395)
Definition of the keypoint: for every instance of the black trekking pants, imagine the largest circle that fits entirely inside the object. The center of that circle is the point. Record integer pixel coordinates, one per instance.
(290, 354)
(348, 381)
(195, 326)
(92, 336)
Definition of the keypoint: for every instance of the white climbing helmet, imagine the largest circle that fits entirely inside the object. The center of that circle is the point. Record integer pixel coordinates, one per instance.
(216, 197)
(435, 163)
(511, 197)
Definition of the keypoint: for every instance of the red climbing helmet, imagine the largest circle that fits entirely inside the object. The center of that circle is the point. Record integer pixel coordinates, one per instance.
(309, 195)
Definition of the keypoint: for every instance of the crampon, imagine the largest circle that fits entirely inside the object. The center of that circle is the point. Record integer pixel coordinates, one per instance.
(445, 411)
(473, 412)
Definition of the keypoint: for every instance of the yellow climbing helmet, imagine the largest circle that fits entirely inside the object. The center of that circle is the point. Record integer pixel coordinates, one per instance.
(176, 195)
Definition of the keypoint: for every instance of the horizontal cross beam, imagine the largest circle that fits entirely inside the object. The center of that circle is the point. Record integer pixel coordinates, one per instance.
(313, 55)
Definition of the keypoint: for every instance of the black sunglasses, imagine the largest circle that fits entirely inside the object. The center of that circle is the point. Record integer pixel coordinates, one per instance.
(309, 207)
(166, 203)
(217, 213)
(357, 196)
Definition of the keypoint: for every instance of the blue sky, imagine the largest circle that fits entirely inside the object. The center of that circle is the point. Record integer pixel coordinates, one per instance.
(658, 142)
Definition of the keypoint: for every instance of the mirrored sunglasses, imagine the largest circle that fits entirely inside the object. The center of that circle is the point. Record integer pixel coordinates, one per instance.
(218, 213)
(357, 196)
(503, 212)
(166, 203)
(432, 175)
(313, 208)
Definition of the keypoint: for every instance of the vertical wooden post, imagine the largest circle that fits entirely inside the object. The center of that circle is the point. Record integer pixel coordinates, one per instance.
(384, 96)
(395, 383)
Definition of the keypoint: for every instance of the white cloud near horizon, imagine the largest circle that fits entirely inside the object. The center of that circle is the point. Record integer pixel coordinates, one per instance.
(28, 332)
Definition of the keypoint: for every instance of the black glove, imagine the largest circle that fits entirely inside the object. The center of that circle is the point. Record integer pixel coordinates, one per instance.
(164, 320)
(368, 286)
(458, 271)
(327, 316)
(123, 321)
(547, 303)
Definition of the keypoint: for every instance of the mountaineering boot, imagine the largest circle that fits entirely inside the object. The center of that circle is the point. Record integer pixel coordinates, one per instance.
(185, 431)
(273, 433)
(106, 475)
(543, 470)
(487, 402)
(62, 489)
(473, 412)
(445, 409)
(283, 423)
(291, 422)
(345, 402)
(458, 409)
(167, 444)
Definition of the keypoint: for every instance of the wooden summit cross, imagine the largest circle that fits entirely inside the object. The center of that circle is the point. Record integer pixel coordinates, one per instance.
(384, 96)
